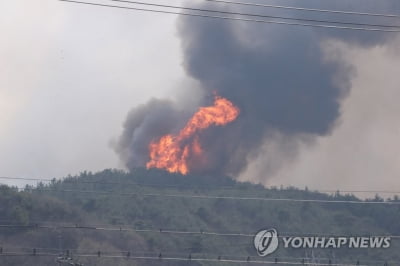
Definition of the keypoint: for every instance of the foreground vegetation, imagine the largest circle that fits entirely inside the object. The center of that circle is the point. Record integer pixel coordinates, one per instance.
(140, 214)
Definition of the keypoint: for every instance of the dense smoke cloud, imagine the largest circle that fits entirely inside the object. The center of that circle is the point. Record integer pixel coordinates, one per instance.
(279, 76)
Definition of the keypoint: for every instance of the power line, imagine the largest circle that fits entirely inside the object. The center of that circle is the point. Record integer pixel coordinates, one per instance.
(124, 228)
(238, 19)
(232, 187)
(161, 257)
(72, 180)
(72, 251)
(255, 15)
(360, 191)
(307, 9)
(199, 196)
(27, 179)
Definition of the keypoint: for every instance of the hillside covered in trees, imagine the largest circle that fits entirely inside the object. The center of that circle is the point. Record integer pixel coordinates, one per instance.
(147, 217)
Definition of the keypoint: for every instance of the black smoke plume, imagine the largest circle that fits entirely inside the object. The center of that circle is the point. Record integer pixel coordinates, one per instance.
(277, 75)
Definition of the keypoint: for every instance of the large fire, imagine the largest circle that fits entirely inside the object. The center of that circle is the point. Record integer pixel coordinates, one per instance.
(172, 152)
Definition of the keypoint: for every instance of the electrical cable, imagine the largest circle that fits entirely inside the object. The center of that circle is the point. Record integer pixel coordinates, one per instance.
(124, 228)
(124, 184)
(199, 196)
(236, 18)
(161, 257)
(306, 9)
(255, 15)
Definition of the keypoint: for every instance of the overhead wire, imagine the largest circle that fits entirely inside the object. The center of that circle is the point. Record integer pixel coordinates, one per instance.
(203, 196)
(254, 15)
(237, 18)
(306, 9)
(161, 257)
(139, 184)
(72, 251)
(225, 187)
(125, 228)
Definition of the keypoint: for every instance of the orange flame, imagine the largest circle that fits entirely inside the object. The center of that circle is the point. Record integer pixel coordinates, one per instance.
(172, 153)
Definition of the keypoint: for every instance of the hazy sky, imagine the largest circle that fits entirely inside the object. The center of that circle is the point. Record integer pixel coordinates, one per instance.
(70, 73)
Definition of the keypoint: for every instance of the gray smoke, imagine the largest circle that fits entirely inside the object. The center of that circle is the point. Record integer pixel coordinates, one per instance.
(277, 75)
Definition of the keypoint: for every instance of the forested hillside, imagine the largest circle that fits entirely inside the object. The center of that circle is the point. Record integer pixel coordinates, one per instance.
(113, 217)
